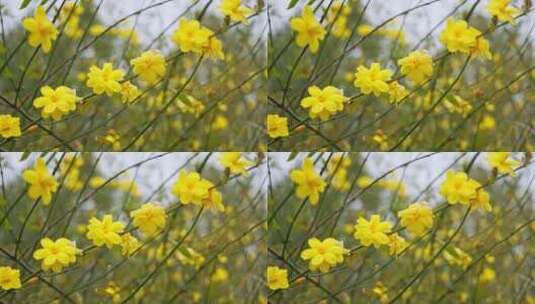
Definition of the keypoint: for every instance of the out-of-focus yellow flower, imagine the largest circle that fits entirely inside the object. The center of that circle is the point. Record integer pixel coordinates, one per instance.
(502, 10)
(457, 257)
(309, 183)
(220, 275)
(381, 292)
(9, 126)
(372, 232)
(324, 254)
(309, 30)
(235, 10)
(277, 126)
(234, 162)
(487, 275)
(277, 278)
(502, 162)
(42, 183)
(129, 244)
(41, 31)
(191, 257)
(396, 244)
(397, 93)
(129, 92)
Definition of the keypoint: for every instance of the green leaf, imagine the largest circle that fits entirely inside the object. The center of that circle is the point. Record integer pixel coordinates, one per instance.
(24, 4)
(292, 156)
(24, 156)
(292, 3)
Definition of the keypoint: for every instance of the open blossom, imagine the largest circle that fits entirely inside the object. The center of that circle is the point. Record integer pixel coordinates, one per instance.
(458, 188)
(105, 79)
(41, 31)
(277, 126)
(502, 10)
(191, 36)
(458, 36)
(309, 183)
(235, 10)
(150, 66)
(372, 80)
(277, 278)
(234, 162)
(56, 255)
(56, 102)
(324, 103)
(417, 218)
(417, 66)
(191, 188)
(372, 232)
(42, 183)
(104, 232)
(9, 126)
(502, 162)
(309, 30)
(9, 278)
(149, 218)
(324, 254)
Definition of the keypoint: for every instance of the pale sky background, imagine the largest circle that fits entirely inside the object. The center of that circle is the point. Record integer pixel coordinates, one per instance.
(150, 175)
(417, 175)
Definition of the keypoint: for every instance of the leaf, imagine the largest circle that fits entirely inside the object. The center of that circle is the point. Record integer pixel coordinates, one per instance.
(292, 4)
(24, 156)
(292, 156)
(24, 4)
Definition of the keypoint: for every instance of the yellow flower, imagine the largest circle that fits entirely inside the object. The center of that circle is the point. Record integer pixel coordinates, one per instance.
(501, 10)
(105, 80)
(373, 232)
(220, 123)
(417, 218)
(323, 103)
(191, 36)
(220, 275)
(41, 31)
(42, 183)
(458, 36)
(502, 162)
(488, 123)
(234, 10)
(324, 254)
(481, 200)
(482, 48)
(129, 244)
(9, 126)
(96, 29)
(129, 92)
(309, 30)
(397, 93)
(277, 278)
(150, 66)
(417, 66)
(458, 105)
(364, 29)
(309, 183)
(396, 244)
(150, 218)
(458, 188)
(381, 292)
(9, 278)
(214, 48)
(235, 162)
(458, 257)
(105, 232)
(277, 126)
(56, 102)
(191, 188)
(487, 275)
(372, 80)
(56, 254)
